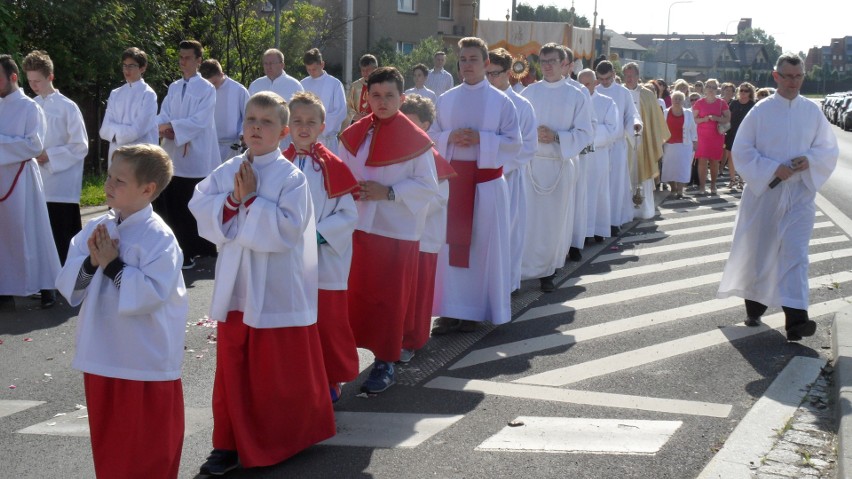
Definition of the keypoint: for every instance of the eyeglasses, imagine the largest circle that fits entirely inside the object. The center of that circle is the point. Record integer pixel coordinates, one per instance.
(790, 76)
(552, 61)
(496, 74)
(129, 66)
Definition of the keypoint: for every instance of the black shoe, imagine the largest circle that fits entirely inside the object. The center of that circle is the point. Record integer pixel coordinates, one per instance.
(614, 231)
(48, 298)
(188, 263)
(599, 239)
(574, 254)
(445, 325)
(467, 326)
(220, 462)
(7, 304)
(547, 284)
(801, 330)
(752, 321)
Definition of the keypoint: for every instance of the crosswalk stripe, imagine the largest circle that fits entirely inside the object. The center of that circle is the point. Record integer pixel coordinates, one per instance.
(573, 396)
(574, 336)
(582, 435)
(692, 219)
(694, 230)
(638, 357)
(76, 423)
(14, 406)
(387, 430)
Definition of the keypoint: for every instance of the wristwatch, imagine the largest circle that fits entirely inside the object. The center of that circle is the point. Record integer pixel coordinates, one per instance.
(391, 194)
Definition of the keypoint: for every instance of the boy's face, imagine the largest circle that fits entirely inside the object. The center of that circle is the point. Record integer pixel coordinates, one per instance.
(423, 125)
(189, 63)
(385, 99)
(131, 70)
(419, 78)
(123, 192)
(38, 82)
(315, 69)
(262, 129)
(306, 125)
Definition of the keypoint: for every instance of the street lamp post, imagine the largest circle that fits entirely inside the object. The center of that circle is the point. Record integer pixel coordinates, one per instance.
(668, 29)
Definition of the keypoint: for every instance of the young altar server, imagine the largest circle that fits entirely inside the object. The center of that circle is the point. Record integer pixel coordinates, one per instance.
(392, 160)
(125, 269)
(477, 130)
(131, 113)
(421, 111)
(65, 147)
(26, 243)
(330, 183)
(330, 91)
(270, 394)
(231, 99)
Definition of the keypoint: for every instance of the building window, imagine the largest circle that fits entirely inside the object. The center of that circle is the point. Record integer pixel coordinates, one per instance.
(404, 47)
(405, 6)
(445, 9)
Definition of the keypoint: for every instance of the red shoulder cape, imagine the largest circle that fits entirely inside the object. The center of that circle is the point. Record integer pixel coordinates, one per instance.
(445, 170)
(337, 178)
(399, 139)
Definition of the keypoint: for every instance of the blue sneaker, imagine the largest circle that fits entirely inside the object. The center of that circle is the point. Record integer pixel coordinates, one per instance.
(381, 378)
(336, 392)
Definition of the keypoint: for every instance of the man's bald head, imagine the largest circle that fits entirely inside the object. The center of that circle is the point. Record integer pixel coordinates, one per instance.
(588, 78)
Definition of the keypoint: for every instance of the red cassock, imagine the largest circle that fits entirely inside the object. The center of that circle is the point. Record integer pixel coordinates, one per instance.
(419, 324)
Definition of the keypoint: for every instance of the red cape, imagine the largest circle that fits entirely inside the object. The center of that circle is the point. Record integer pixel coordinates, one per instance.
(443, 167)
(337, 178)
(400, 139)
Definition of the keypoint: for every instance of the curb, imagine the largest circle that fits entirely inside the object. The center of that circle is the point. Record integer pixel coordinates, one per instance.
(841, 348)
(89, 212)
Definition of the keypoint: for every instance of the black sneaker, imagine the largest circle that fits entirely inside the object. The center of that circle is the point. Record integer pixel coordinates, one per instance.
(48, 298)
(574, 254)
(547, 284)
(220, 462)
(752, 321)
(801, 330)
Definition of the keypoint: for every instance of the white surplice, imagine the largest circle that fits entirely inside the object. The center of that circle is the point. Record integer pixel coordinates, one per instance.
(514, 172)
(607, 130)
(769, 253)
(285, 86)
(66, 144)
(551, 177)
(621, 206)
(131, 117)
(231, 99)
(267, 263)
(482, 291)
(579, 230)
(195, 149)
(424, 92)
(330, 91)
(27, 251)
(439, 81)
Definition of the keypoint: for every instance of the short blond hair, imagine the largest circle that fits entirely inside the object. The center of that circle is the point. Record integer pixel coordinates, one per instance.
(307, 98)
(268, 99)
(151, 164)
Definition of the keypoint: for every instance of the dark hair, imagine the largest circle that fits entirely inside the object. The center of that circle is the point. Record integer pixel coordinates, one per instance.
(604, 67)
(549, 48)
(791, 58)
(210, 68)
(421, 106)
(312, 56)
(368, 60)
(193, 45)
(423, 68)
(569, 54)
(38, 61)
(386, 74)
(501, 57)
(9, 65)
(137, 55)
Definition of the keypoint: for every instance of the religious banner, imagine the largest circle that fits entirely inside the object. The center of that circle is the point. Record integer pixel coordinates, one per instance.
(526, 38)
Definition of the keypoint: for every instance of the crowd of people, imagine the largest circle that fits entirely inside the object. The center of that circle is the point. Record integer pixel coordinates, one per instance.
(345, 220)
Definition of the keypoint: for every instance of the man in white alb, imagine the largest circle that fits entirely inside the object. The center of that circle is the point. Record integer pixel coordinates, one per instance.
(231, 99)
(330, 91)
(275, 79)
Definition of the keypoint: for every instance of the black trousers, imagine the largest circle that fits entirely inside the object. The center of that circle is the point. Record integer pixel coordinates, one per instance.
(792, 316)
(173, 206)
(65, 222)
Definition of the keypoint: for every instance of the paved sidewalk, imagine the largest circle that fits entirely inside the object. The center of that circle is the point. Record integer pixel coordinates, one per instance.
(841, 345)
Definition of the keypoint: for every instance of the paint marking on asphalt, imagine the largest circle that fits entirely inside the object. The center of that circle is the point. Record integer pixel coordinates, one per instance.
(694, 230)
(14, 406)
(589, 398)
(841, 220)
(387, 430)
(649, 223)
(669, 349)
(76, 423)
(582, 435)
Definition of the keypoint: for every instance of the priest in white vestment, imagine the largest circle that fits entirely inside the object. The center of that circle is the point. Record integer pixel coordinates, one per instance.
(330, 91)
(621, 205)
(785, 150)
(27, 251)
(276, 80)
(565, 129)
(477, 130)
(516, 168)
(231, 99)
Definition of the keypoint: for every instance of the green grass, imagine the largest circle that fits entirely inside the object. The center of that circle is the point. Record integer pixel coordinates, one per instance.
(93, 190)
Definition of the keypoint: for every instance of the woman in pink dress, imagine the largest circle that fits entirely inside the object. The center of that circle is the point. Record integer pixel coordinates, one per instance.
(709, 112)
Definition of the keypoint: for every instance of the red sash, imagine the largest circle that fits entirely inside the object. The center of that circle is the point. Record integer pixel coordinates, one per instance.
(336, 176)
(460, 208)
(14, 181)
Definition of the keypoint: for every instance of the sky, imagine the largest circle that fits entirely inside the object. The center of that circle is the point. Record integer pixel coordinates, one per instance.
(808, 24)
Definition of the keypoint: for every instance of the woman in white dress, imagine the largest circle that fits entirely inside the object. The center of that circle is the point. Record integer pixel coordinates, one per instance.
(678, 151)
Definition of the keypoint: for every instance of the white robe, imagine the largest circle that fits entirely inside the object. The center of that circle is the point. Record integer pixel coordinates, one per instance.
(231, 99)
(677, 157)
(439, 82)
(424, 92)
(579, 230)
(27, 251)
(551, 178)
(330, 91)
(481, 292)
(131, 117)
(267, 264)
(285, 86)
(195, 149)
(136, 331)
(607, 130)
(66, 144)
(335, 221)
(435, 233)
(646, 209)
(769, 253)
(514, 172)
(621, 206)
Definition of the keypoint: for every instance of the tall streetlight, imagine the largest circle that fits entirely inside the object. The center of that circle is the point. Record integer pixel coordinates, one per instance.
(668, 29)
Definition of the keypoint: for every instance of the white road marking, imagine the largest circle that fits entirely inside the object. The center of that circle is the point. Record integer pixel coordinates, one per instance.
(76, 423)
(649, 223)
(582, 435)
(693, 230)
(841, 220)
(387, 430)
(14, 406)
(590, 398)
(668, 349)
(756, 433)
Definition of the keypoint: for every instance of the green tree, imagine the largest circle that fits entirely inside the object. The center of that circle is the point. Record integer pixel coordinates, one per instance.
(423, 52)
(551, 13)
(758, 35)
